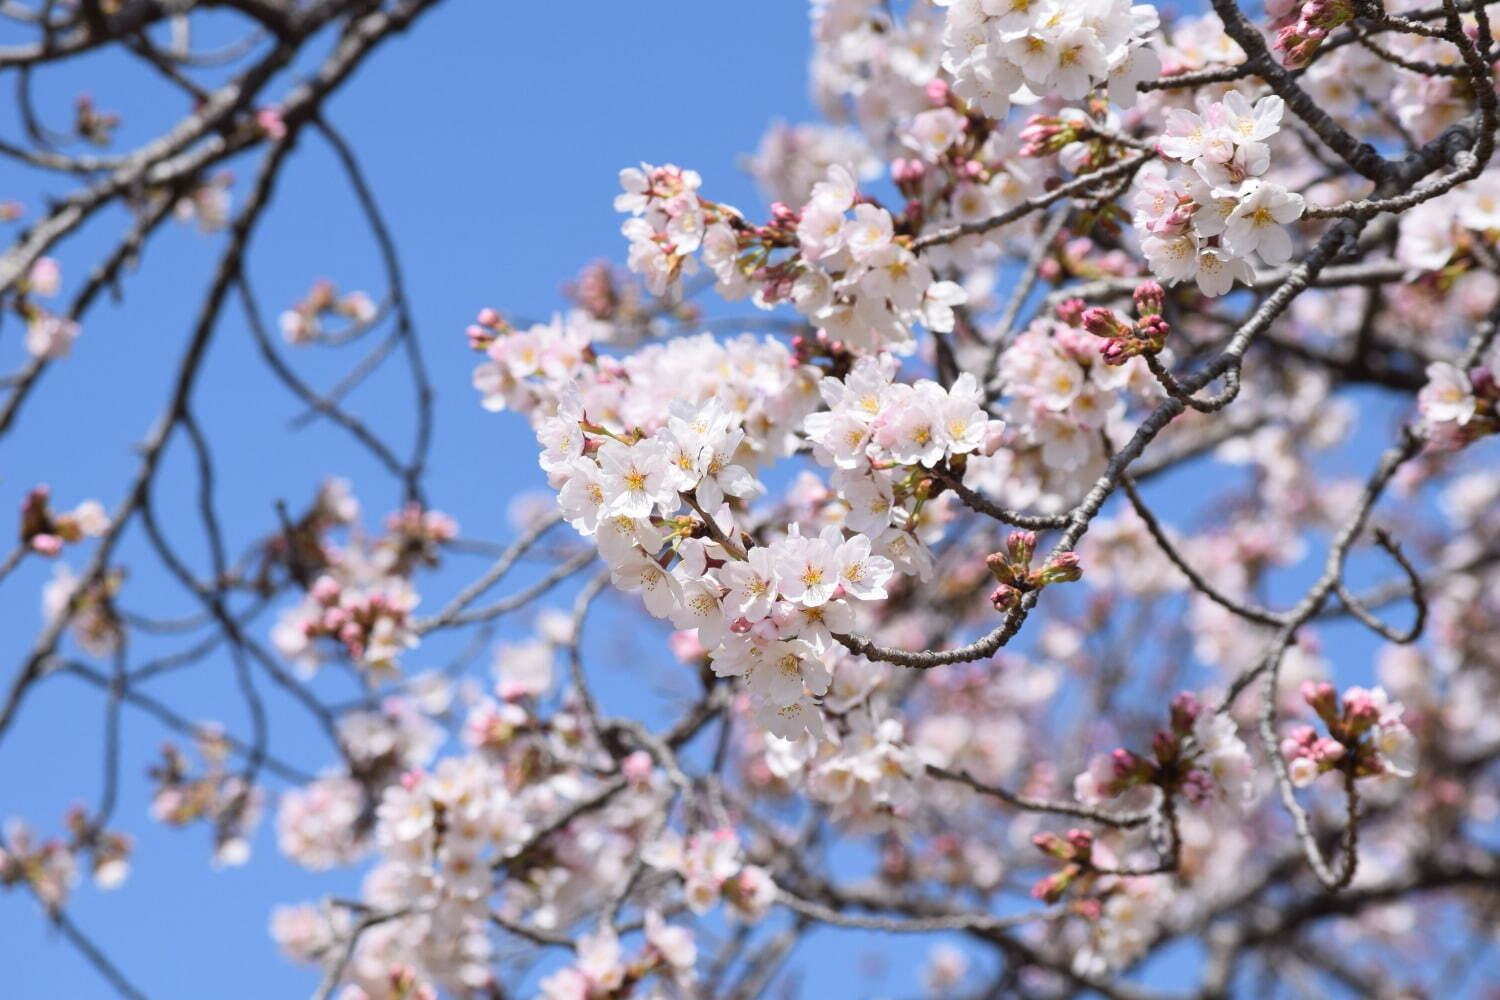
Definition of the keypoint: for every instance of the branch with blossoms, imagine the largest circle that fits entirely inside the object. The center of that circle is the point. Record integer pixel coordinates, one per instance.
(995, 564)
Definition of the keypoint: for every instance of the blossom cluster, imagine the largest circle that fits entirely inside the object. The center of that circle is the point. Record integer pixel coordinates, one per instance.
(226, 801)
(94, 621)
(602, 970)
(50, 867)
(866, 774)
(362, 597)
(49, 335)
(1440, 236)
(1300, 28)
(369, 617)
(839, 259)
(1207, 224)
(712, 868)
(995, 49)
(1060, 390)
(325, 824)
(766, 614)
(1389, 748)
(1199, 754)
(45, 531)
(1122, 339)
(303, 323)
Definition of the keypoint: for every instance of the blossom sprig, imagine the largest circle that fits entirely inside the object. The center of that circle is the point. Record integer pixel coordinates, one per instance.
(1015, 575)
(45, 531)
(206, 203)
(668, 222)
(91, 124)
(1300, 26)
(359, 598)
(303, 322)
(50, 867)
(1123, 339)
(1199, 754)
(49, 335)
(303, 549)
(371, 621)
(1075, 851)
(603, 971)
(765, 613)
(326, 822)
(1082, 140)
(866, 770)
(712, 867)
(94, 621)
(1366, 736)
(414, 535)
(214, 795)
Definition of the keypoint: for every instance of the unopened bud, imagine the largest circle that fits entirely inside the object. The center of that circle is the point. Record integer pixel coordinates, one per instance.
(1062, 568)
(1150, 298)
(1185, 711)
(1000, 568)
(1071, 311)
(1050, 843)
(1005, 597)
(1102, 322)
(1322, 698)
(1021, 545)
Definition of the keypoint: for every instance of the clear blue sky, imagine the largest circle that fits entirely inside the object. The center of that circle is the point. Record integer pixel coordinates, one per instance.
(492, 134)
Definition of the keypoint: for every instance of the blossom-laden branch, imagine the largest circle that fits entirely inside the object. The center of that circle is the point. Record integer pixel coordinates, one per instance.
(973, 555)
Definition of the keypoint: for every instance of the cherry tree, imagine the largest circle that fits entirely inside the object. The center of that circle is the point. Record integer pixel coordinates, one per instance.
(1061, 518)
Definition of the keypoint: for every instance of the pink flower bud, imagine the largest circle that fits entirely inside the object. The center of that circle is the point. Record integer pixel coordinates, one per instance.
(1185, 710)
(1004, 597)
(1322, 697)
(1150, 298)
(1021, 545)
(1127, 766)
(1063, 568)
(908, 172)
(1000, 568)
(1071, 311)
(1360, 709)
(1102, 322)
